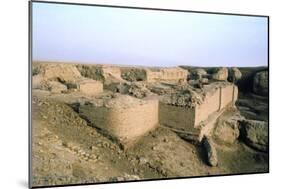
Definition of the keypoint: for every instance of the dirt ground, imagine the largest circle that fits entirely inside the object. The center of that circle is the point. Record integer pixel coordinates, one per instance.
(67, 150)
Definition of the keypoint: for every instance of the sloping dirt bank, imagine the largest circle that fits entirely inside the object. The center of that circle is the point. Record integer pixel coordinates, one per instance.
(66, 150)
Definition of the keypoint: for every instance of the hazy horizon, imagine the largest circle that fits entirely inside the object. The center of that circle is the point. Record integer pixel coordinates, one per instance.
(102, 35)
(128, 65)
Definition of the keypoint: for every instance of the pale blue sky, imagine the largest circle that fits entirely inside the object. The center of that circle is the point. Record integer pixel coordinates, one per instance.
(146, 37)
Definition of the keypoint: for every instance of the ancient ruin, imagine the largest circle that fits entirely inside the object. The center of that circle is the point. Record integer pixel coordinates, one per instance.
(217, 98)
(166, 75)
(162, 122)
(122, 116)
(89, 86)
(134, 108)
(62, 77)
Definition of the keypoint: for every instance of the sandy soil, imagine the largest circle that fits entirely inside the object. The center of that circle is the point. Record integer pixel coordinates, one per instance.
(66, 150)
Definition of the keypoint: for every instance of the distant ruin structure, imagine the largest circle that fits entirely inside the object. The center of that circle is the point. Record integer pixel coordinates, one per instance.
(166, 75)
(221, 74)
(89, 86)
(59, 78)
(109, 71)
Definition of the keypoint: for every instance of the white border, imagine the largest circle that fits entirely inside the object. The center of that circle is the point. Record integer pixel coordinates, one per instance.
(14, 92)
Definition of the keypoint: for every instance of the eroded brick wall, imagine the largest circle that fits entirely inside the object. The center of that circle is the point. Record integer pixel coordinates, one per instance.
(167, 75)
(187, 119)
(180, 118)
(229, 94)
(126, 124)
(90, 87)
(111, 71)
(210, 105)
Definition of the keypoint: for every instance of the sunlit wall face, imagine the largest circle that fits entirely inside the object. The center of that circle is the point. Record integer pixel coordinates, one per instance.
(147, 37)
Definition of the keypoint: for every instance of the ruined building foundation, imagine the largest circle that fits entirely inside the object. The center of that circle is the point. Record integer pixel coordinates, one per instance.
(127, 118)
(166, 75)
(59, 78)
(90, 87)
(199, 120)
(124, 117)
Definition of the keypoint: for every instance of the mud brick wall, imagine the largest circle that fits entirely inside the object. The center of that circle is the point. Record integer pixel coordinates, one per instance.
(215, 102)
(90, 87)
(210, 105)
(169, 74)
(152, 76)
(126, 124)
(229, 94)
(178, 117)
(188, 119)
(113, 71)
(63, 72)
